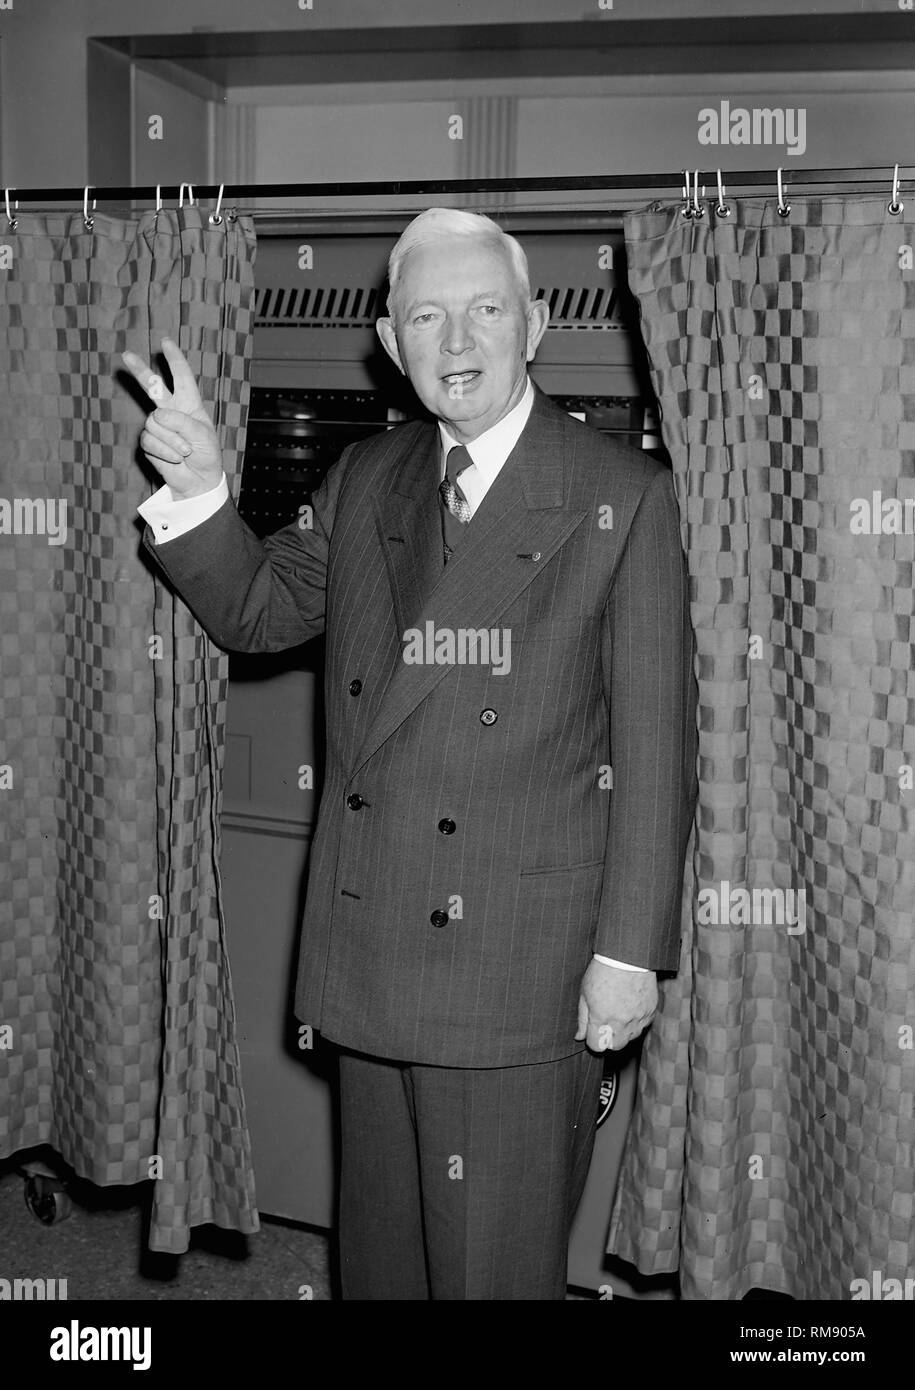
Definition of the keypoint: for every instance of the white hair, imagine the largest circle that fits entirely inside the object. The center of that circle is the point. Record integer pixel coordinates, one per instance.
(443, 224)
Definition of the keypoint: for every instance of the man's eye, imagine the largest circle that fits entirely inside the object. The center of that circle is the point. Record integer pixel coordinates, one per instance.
(490, 309)
(423, 318)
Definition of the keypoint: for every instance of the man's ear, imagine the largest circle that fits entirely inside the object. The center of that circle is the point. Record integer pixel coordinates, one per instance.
(538, 318)
(385, 330)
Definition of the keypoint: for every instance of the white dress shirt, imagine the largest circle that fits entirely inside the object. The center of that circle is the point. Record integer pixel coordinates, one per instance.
(170, 517)
(489, 450)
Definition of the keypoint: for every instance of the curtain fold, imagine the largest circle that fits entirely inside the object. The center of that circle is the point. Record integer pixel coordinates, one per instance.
(773, 1143)
(113, 963)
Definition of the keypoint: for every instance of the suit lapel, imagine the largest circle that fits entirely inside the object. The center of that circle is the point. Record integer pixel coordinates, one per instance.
(523, 514)
(409, 525)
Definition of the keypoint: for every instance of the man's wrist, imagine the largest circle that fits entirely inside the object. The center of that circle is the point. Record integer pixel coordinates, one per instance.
(170, 517)
(197, 492)
(621, 965)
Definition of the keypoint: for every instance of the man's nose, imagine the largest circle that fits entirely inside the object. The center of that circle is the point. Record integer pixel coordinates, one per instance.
(457, 337)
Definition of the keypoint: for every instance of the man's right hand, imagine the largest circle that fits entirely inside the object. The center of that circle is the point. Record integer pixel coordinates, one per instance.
(179, 439)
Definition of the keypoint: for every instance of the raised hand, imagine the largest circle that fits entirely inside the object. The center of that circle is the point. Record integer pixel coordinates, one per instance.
(179, 439)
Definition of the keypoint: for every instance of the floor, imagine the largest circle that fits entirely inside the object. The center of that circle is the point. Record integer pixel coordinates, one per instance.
(99, 1250)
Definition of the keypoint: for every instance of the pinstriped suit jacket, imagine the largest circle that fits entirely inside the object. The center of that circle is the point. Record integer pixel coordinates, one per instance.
(543, 865)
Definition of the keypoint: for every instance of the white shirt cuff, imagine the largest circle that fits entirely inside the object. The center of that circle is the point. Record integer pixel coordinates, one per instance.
(170, 517)
(621, 965)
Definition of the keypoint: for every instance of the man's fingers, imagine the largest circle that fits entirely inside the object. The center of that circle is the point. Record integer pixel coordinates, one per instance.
(157, 451)
(135, 365)
(151, 382)
(182, 376)
(608, 1037)
(173, 439)
(582, 1019)
(176, 420)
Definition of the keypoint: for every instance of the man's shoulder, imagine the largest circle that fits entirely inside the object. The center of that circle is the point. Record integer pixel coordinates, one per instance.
(600, 459)
(390, 446)
(368, 465)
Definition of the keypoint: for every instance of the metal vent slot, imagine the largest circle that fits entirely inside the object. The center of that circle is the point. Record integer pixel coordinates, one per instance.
(576, 308)
(326, 306)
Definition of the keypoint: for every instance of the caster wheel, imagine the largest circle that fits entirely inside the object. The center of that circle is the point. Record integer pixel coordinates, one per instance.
(46, 1199)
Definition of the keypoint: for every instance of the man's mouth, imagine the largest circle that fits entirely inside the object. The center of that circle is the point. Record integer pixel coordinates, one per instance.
(460, 378)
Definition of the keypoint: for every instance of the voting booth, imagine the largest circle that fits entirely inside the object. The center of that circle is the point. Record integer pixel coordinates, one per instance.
(320, 380)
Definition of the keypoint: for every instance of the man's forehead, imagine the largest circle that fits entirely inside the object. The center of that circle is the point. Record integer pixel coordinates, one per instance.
(455, 260)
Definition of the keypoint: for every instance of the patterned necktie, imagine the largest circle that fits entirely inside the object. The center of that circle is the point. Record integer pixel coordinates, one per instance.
(451, 494)
(455, 507)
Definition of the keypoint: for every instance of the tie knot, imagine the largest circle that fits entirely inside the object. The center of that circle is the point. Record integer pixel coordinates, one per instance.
(458, 459)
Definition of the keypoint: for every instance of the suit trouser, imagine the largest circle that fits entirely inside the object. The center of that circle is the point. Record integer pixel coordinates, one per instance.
(459, 1183)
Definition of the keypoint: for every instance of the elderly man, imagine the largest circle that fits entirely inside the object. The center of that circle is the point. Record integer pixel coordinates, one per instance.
(496, 869)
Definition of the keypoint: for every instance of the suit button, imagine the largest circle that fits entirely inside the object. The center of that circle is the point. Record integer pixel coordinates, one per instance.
(447, 826)
(488, 716)
(355, 802)
(439, 918)
(355, 687)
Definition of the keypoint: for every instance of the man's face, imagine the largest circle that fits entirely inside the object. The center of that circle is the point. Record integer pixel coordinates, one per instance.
(461, 332)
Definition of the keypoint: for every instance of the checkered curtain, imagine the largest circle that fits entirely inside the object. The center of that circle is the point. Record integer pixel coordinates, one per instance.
(113, 968)
(774, 1141)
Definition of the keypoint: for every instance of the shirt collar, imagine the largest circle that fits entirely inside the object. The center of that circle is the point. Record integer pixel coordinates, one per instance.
(490, 449)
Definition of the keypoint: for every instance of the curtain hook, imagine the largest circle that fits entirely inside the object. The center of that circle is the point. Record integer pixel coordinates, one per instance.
(783, 208)
(722, 209)
(697, 210)
(215, 219)
(158, 198)
(894, 207)
(687, 208)
(10, 216)
(190, 195)
(88, 221)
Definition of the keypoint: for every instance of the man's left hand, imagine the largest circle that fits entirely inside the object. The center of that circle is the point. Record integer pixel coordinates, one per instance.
(615, 1006)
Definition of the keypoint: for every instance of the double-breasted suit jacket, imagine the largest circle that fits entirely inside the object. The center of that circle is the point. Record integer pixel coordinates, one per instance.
(469, 854)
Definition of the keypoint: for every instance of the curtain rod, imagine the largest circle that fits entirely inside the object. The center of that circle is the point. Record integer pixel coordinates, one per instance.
(753, 178)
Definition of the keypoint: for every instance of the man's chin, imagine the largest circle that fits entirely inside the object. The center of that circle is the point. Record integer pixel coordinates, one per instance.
(461, 405)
